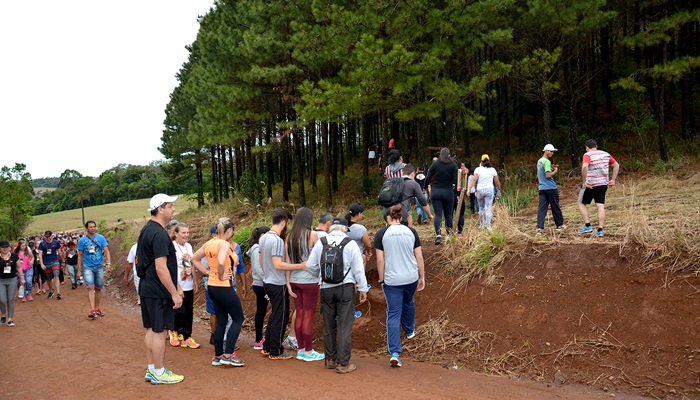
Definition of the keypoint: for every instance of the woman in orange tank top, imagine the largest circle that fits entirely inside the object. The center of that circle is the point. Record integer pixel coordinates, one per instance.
(226, 302)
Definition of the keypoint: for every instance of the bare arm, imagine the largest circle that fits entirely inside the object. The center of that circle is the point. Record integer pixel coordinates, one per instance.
(418, 252)
(616, 170)
(584, 174)
(197, 261)
(164, 277)
(80, 262)
(108, 256)
(497, 182)
(280, 265)
(380, 264)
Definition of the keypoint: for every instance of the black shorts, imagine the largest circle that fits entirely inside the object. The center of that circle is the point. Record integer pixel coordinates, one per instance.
(157, 314)
(596, 193)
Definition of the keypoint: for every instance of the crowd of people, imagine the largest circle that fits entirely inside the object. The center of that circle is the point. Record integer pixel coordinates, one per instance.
(322, 265)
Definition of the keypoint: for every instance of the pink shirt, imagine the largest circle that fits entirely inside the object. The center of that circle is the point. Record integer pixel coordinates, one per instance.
(599, 163)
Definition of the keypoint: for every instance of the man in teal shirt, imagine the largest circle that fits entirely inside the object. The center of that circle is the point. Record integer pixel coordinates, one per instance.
(548, 192)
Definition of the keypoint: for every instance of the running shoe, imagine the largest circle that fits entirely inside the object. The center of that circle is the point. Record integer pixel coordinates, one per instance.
(74, 286)
(358, 314)
(561, 227)
(232, 360)
(259, 345)
(99, 313)
(291, 343)
(180, 338)
(301, 354)
(265, 353)
(438, 239)
(314, 356)
(24, 299)
(540, 232)
(2, 320)
(173, 339)
(92, 314)
(411, 335)
(50, 295)
(216, 361)
(30, 298)
(395, 361)
(11, 323)
(58, 296)
(600, 232)
(149, 375)
(283, 356)
(191, 343)
(167, 378)
(586, 229)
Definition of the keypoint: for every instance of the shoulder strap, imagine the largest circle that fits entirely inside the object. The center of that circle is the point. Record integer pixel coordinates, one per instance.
(324, 241)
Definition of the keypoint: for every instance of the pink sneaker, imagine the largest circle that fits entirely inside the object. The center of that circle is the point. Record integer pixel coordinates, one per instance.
(30, 298)
(259, 345)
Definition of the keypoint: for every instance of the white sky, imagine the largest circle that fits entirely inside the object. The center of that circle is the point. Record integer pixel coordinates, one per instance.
(84, 83)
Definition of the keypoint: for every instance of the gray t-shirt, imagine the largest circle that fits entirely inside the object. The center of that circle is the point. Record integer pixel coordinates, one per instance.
(356, 233)
(400, 264)
(271, 245)
(411, 189)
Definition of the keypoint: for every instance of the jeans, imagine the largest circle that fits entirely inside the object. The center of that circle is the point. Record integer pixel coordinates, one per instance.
(547, 198)
(279, 318)
(94, 276)
(400, 312)
(485, 199)
(73, 272)
(226, 303)
(443, 203)
(8, 291)
(421, 212)
(28, 281)
(338, 309)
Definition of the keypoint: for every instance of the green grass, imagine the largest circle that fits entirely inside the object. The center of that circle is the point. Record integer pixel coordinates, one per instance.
(104, 215)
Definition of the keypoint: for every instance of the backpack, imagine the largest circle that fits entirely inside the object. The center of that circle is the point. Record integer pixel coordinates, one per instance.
(391, 192)
(332, 265)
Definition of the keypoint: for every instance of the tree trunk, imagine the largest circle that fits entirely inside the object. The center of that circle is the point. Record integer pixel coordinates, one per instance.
(268, 160)
(214, 180)
(572, 136)
(607, 67)
(285, 167)
(312, 154)
(546, 119)
(663, 151)
(365, 150)
(334, 155)
(224, 171)
(232, 160)
(326, 165)
(200, 177)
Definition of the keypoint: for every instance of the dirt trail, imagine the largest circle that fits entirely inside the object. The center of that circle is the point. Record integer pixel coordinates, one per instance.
(56, 352)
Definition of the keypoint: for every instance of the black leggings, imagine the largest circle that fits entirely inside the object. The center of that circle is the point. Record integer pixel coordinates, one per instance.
(260, 311)
(185, 314)
(226, 302)
(443, 203)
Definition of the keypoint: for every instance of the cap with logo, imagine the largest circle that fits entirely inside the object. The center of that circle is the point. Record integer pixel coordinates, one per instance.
(160, 199)
(48, 233)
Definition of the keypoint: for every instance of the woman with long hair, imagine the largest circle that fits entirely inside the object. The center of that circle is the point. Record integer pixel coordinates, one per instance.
(401, 273)
(303, 286)
(261, 299)
(221, 259)
(26, 261)
(443, 174)
(485, 179)
(10, 269)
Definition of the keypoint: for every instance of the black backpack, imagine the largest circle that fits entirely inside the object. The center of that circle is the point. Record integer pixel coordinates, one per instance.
(332, 265)
(391, 192)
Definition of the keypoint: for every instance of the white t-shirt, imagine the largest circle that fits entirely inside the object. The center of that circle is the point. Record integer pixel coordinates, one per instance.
(131, 258)
(185, 269)
(486, 176)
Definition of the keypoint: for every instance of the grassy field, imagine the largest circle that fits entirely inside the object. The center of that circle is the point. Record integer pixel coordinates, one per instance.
(108, 214)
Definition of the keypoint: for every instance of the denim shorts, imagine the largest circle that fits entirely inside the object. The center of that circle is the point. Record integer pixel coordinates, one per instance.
(94, 276)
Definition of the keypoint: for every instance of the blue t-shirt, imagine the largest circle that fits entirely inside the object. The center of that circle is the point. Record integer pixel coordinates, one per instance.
(92, 250)
(544, 165)
(49, 251)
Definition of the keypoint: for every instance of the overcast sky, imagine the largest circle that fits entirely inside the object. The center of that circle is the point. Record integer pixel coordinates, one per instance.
(84, 84)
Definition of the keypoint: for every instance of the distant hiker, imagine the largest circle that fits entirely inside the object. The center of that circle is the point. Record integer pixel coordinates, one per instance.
(10, 272)
(401, 273)
(131, 267)
(93, 257)
(548, 192)
(50, 255)
(595, 173)
(392, 144)
(420, 180)
(444, 171)
(487, 184)
(160, 295)
(338, 299)
(371, 157)
(396, 164)
(460, 221)
(412, 190)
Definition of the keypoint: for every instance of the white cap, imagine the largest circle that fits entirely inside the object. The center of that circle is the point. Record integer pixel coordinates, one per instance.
(549, 147)
(160, 199)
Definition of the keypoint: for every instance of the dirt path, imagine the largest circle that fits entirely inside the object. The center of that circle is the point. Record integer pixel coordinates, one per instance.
(56, 352)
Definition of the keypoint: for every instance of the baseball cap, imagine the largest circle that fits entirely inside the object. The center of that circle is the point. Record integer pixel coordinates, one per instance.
(340, 221)
(549, 147)
(4, 243)
(160, 199)
(48, 233)
(485, 157)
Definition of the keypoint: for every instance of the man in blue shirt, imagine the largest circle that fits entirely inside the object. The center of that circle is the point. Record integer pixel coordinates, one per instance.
(50, 256)
(548, 192)
(92, 253)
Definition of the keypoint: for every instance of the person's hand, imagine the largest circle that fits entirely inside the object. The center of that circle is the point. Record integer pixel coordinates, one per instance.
(244, 292)
(227, 276)
(588, 185)
(291, 293)
(363, 297)
(431, 216)
(196, 288)
(177, 301)
(612, 182)
(303, 266)
(180, 293)
(126, 280)
(421, 284)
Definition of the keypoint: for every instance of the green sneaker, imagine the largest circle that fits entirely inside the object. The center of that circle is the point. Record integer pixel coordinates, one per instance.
(149, 375)
(167, 378)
